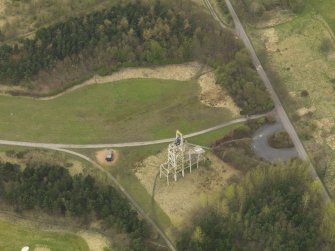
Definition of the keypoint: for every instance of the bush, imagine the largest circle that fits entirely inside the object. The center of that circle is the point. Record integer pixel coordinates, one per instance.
(242, 82)
(255, 9)
(326, 46)
(280, 140)
(304, 93)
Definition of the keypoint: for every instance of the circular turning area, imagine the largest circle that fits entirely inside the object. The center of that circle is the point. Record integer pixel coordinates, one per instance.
(261, 147)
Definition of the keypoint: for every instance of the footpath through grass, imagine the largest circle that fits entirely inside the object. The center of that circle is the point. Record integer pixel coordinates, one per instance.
(14, 237)
(123, 111)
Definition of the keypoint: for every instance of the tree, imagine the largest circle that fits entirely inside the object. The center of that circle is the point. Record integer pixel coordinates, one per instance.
(272, 208)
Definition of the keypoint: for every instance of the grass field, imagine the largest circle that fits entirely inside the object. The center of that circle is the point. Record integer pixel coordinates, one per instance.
(295, 55)
(209, 138)
(14, 237)
(326, 8)
(128, 110)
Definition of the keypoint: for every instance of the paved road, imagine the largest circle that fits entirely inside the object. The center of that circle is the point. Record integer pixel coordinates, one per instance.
(128, 144)
(261, 146)
(278, 105)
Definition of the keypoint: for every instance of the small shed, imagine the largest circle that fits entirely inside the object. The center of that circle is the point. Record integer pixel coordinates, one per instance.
(109, 156)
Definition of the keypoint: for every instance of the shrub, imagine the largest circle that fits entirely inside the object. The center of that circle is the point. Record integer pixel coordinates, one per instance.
(304, 93)
(280, 140)
(326, 46)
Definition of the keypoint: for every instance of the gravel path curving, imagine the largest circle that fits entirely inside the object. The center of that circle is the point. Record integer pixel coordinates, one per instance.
(261, 147)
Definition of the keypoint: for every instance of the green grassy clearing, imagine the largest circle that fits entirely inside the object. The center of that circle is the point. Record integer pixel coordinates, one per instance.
(326, 8)
(14, 237)
(128, 110)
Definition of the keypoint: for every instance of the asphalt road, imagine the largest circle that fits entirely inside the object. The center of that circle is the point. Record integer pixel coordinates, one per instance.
(278, 105)
(262, 148)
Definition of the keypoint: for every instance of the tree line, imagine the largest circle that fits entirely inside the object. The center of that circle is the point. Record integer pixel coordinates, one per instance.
(137, 32)
(53, 190)
(134, 34)
(272, 208)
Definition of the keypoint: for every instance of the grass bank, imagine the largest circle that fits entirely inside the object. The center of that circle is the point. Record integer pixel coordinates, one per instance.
(127, 110)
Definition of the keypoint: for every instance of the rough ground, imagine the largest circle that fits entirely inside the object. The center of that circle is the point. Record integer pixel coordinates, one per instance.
(95, 242)
(270, 39)
(41, 249)
(294, 53)
(213, 95)
(181, 198)
(4, 89)
(2, 12)
(275, 17)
